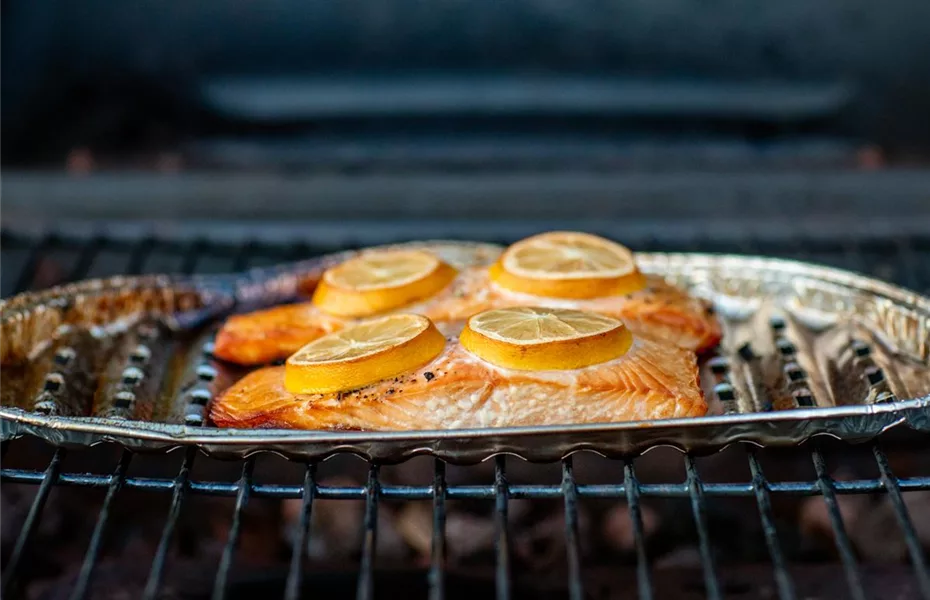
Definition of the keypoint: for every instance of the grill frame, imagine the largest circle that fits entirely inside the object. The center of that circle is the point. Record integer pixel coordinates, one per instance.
(500, 492)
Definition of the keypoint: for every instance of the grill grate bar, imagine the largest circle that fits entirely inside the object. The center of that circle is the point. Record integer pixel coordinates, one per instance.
(366, 582)
(181, 487)
(86, 256)
(295, 571)
(192, 255)
(696, 492)
(437, 569)
(139, 253)
(243, 255)
(643, 580)
(50, 476)
(909, 261)
(135, 265)
(295, 250)
(764, 501)
(502, 542)
(472, 492)
(843, 545)
(570, 491)
(93, 549)
(242, 499)
(27, 274)
(890, 482)
(853, 254)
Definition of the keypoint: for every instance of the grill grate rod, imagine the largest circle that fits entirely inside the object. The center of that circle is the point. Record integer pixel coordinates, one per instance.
(909, 261)
(631, 484)
(502, 542)
(49, 477)
(366, 583)
(843, 545)
(89, 249)
(919, 271)
(244, 488)
(696, 492)
(890, 483)
(27, 275)
(86, 257)
(178, 495)
(182, 483)
(764, 501)
(570, 491)
(139, 253)
(853, 254)
(93, 549)
(437, 570)
(229, 550)
(471, 492)
(295, 571)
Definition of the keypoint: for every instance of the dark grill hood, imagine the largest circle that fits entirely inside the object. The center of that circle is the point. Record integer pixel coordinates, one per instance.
(506, 75)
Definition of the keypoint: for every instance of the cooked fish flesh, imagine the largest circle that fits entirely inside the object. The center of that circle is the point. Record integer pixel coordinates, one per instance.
(660, 311)
(653, 380)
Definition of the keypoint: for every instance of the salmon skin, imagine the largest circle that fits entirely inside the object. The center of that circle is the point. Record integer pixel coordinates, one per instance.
(660, 310)
(458, 390)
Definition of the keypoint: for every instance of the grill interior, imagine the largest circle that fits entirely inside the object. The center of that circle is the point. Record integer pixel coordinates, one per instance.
(734, 524)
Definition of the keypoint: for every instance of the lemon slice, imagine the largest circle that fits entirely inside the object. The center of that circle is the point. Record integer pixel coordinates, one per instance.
(363, 353)
(538, 339)
(568, 265)
(380, 281)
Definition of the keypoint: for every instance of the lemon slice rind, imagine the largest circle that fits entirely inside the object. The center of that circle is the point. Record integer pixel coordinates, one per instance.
(570, 265)
(362, 354)
(381, 281)
(542, 339)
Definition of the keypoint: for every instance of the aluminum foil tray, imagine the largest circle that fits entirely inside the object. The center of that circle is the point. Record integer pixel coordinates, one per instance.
(807, 351)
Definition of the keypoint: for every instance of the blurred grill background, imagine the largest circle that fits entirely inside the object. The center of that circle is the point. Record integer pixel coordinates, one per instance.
(260, 85)
(519, 109)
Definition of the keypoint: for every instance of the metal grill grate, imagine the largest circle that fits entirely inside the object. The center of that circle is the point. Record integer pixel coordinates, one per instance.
(903, 261)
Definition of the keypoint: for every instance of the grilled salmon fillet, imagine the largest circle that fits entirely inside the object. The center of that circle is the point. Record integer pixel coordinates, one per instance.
(653, 380)
(660, 310)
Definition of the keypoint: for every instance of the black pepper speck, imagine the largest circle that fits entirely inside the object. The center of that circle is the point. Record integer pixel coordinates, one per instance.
(428, 375)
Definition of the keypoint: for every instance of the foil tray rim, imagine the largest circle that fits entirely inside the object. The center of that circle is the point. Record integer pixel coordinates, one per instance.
(539, 443)
(784, 427)
(185, 433)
